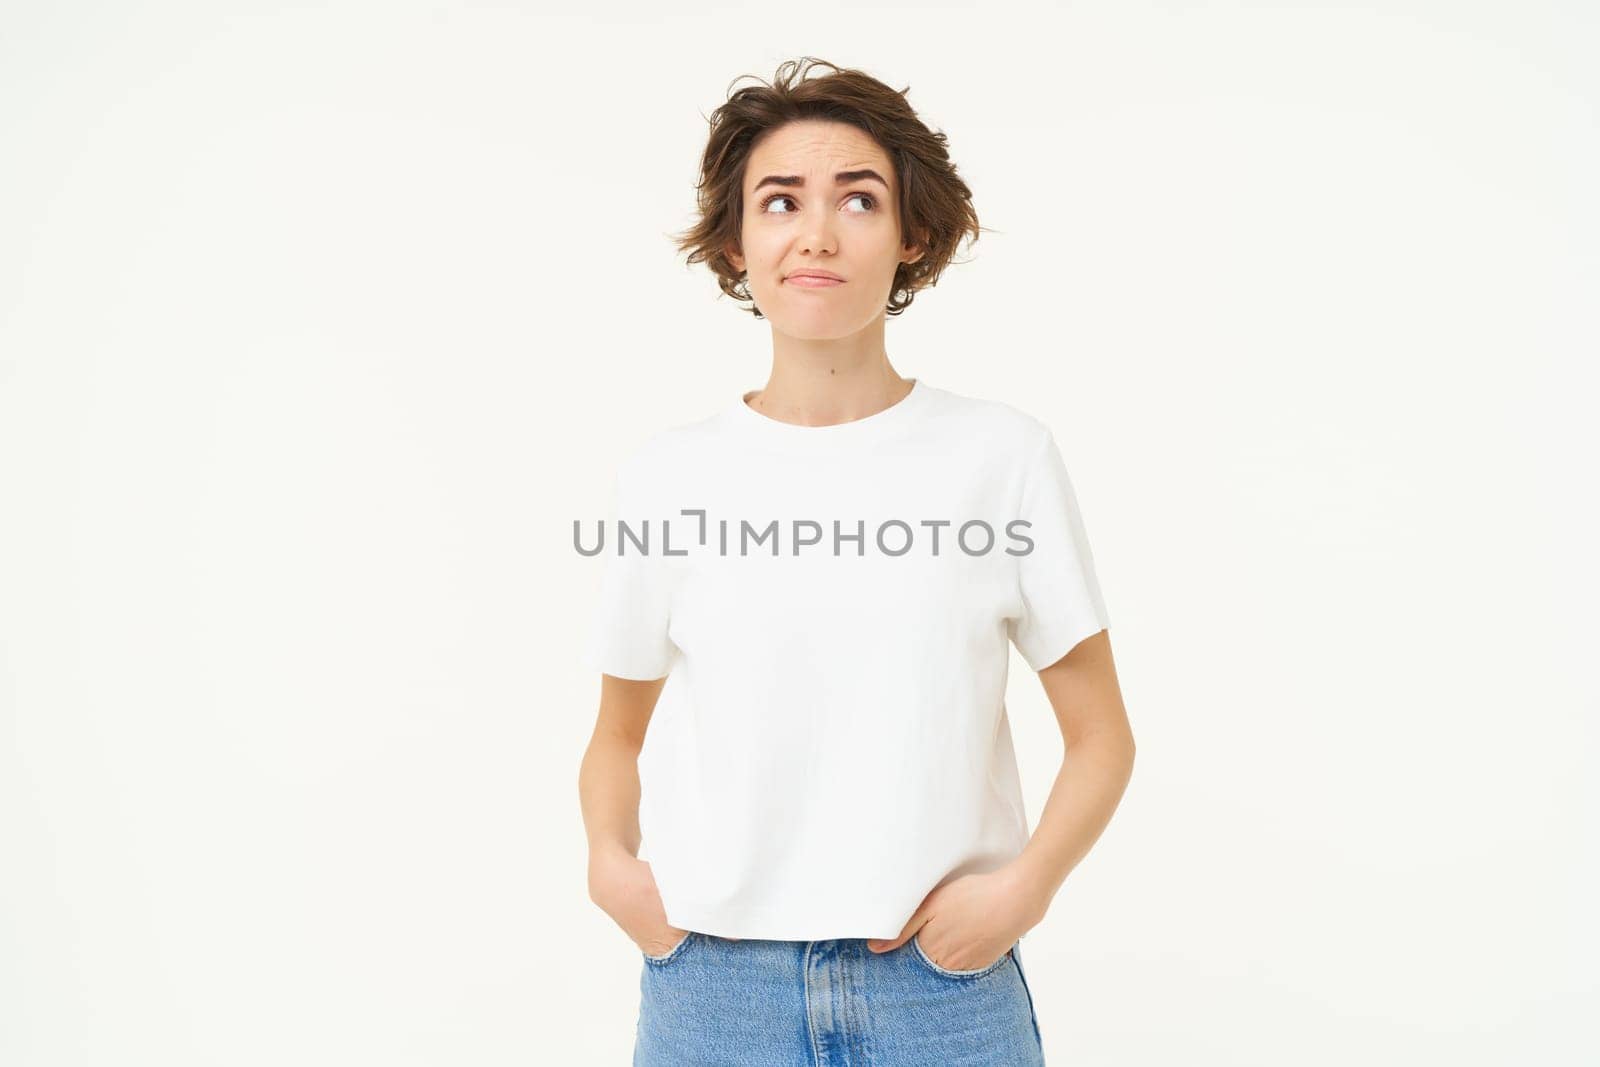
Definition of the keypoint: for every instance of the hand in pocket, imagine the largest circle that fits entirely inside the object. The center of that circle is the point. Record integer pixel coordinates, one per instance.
(625, 888)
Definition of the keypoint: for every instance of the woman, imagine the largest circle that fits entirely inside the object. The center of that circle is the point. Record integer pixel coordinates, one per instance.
(814, 601)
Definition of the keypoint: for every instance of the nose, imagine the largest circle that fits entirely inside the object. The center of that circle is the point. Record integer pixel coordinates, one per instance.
(818, 237)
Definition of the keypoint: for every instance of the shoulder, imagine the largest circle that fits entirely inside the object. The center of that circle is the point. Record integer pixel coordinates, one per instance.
(1001, 427)
(663, 452)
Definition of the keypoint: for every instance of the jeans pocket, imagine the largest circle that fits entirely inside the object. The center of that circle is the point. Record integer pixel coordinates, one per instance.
(672, 953)
(976, 972)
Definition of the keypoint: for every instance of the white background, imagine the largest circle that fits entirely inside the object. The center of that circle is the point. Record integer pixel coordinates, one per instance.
(320, 325)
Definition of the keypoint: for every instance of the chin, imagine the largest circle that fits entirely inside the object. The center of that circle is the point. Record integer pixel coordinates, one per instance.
(810, 329)
(819, 324)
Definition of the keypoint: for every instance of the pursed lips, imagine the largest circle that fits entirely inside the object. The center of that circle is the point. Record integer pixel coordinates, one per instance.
(813, 281)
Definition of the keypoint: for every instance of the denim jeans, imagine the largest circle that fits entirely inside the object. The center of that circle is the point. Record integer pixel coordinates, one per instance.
(830, 1004)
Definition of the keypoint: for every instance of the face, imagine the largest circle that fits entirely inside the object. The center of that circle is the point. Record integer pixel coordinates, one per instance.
(820, 196)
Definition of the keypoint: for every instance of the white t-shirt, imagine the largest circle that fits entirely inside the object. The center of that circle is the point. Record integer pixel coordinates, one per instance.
(831, 743)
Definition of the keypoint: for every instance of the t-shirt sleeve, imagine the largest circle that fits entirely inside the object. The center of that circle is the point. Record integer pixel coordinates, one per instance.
(1060, 594)
(628, 637)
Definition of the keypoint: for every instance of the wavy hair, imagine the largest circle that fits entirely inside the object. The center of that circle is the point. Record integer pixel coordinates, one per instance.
(936, 209)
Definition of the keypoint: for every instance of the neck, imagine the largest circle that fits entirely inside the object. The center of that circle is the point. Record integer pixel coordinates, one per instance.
(825, 382)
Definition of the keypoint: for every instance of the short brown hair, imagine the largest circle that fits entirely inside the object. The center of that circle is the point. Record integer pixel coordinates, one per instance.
(936, 209)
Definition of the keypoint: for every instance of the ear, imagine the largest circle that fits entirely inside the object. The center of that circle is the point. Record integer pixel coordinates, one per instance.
(912, 253)
(734, 257)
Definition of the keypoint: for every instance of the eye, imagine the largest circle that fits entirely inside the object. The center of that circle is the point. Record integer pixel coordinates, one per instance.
(872, 202)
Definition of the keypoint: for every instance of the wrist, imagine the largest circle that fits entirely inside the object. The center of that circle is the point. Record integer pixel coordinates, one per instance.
(1032, 885)
(605, 858)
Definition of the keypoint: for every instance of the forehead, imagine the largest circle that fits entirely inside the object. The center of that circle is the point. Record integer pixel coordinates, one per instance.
(815, 150)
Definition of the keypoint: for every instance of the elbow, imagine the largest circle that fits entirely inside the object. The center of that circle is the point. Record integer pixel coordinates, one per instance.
(1111, 745)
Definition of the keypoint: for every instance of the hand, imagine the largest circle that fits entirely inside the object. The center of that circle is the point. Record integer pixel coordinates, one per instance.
(969, 922)
(625, 888)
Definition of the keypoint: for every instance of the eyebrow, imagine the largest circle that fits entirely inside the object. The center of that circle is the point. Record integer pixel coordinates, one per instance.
(844, 177)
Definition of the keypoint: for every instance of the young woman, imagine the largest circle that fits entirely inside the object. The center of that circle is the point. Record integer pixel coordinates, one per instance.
(812, 609)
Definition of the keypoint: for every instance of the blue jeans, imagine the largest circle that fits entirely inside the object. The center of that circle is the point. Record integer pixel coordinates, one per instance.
(830, 1004)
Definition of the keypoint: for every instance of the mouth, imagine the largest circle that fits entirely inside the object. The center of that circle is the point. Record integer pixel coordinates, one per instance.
(813, 280)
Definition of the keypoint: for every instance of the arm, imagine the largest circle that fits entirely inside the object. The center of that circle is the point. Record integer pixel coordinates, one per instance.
(608, 777)
(980, 915)
(1083, 689)
(608, 792)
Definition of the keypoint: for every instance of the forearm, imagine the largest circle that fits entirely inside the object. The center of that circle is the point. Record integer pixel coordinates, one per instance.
(608, 792)
(1094, 773)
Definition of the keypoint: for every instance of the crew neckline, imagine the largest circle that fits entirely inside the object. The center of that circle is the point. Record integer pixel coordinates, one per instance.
(868, 427)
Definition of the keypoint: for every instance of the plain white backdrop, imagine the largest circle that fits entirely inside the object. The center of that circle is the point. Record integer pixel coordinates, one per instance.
(320, 324)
